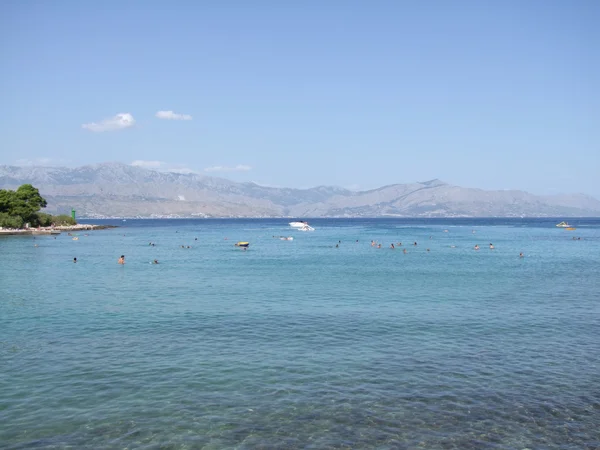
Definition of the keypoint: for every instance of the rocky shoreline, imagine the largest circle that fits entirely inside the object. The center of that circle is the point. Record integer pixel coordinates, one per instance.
(53, 230)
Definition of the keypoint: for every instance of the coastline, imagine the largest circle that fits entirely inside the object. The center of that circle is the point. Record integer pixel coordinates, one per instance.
(53, 230)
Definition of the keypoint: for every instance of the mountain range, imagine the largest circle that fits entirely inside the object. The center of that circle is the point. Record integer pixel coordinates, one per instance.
(121, 190)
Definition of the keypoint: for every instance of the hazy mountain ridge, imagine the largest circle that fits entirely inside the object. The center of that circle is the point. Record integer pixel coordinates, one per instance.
(120, 190)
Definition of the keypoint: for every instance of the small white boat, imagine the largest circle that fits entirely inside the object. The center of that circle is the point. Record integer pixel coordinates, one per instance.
(563, 225)
(298, 224)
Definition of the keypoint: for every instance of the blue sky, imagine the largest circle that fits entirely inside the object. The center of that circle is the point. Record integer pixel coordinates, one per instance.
(496, 95)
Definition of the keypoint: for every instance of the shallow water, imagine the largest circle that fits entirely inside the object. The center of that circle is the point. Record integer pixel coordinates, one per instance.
(298, 344)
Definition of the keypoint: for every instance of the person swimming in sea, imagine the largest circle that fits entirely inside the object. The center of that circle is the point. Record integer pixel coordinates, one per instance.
(121, 259)
(392, 246)
(74, 260)
(491, 246)
(404, 251)
(155, 261)
(476, 246)
(521, 255)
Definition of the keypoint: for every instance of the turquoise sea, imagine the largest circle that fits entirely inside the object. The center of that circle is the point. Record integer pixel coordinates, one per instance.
(299, 344)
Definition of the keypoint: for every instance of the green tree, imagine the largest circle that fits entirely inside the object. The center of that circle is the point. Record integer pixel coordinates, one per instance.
(28, 202)
(43, 219)
(7, 198)
(63, 219)
(8, 221)
(24, 203)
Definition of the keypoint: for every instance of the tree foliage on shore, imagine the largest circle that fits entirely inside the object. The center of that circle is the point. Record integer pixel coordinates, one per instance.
(22, 206)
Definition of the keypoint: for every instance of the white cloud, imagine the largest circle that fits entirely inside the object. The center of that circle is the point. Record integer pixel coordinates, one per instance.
(170, 115)
(148, 164)
(118, 122)
(238, 168)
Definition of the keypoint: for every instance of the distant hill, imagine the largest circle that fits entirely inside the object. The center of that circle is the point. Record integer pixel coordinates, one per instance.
(120, 190)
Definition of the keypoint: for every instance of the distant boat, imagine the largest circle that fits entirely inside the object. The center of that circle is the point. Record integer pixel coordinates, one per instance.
(242, 244)
(571, 228)
(300, 224)
(563, 225)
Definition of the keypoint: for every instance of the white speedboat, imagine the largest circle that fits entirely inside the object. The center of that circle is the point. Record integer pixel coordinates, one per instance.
(300, 224)
(563, 225)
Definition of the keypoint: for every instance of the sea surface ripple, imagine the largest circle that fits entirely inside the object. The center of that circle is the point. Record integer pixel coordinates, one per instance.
(302, 344)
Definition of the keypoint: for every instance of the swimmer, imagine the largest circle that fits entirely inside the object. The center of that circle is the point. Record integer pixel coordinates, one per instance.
(74, 260)
(491, 246)
(428, 250)
(122, 259)
(521, 255)
(404, 251)
(399, 244)
(378, 245)
(476, 247)
(415, 244)
(155, 261)
(337, 245)
(195, 239)
(392, 246)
